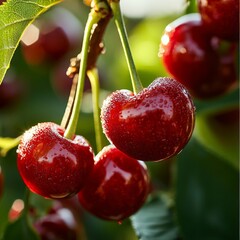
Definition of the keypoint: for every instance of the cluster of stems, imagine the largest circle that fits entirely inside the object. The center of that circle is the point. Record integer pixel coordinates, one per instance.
(98, 19)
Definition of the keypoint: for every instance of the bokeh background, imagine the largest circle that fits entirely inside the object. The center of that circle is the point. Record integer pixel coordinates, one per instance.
(202, 183)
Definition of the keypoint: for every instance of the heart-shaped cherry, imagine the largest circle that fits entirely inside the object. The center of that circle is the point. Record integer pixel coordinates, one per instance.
(51, 165)
(154, 124)
(118, 185)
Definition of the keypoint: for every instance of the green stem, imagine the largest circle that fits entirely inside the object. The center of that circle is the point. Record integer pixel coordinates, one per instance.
(93, 18)
(136, 83)
(94, 80)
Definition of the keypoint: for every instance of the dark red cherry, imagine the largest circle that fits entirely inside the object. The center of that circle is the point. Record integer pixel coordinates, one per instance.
(51, 38)
(118, 185)
(11, 90)
(62, 83)
(192, 57)
(154, 124)
(51, 45)
(58, 224)
(220, 17)
(51, 165)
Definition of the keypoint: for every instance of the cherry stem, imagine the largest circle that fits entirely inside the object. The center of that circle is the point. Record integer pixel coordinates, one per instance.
(96, 48)
(94, 80)
(93, 18)
(68, 110)
(119, 21)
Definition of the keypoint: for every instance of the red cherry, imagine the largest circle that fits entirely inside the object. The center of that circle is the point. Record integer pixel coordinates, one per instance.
(52, 38)
(58, 224)
(11, 90)
(192, 57)
(220, 17)
(118, 185)
(51, 165)
(46, 48)
(62, 83)
(16, 210)
(154, 124)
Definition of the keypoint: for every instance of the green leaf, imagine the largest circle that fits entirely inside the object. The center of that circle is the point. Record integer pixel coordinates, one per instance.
(217, 104)
(7, 144)
(207, 195)
(219, 133)
(15, 16)
(155, 220)
(217, 126)
(20, 230)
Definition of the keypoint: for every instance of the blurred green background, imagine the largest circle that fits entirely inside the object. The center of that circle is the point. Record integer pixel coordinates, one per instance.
(202, 181)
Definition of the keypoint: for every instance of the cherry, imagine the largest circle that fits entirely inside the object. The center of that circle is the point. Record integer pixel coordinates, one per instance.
(46, 48)
(58, 224)
(193, 57)
(62, 83)
(51, 165)
(11, 90)
(118, 185)
(51, 38)
(220, 17)
(154, 124)
(16, 210)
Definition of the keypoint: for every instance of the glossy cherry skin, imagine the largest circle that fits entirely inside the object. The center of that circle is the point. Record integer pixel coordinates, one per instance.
(51, 165)
(58, 224)
(117, 187)
(220, 18)
(154, 124)
(193, 58)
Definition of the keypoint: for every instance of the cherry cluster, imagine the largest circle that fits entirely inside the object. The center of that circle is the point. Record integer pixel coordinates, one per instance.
(56, 167)
(153, 125)
(200, 49)
(147, 124)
